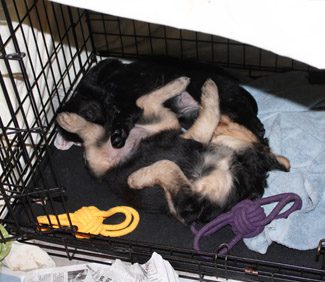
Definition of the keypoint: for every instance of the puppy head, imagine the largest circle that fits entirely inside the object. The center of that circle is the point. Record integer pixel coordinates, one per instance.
(89, 109)
(93, 99)
(90, 103)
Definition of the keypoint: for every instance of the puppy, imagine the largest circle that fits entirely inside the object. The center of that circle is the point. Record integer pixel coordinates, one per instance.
(204, 171)
(233, 165)
(100, 155)
(107, 95)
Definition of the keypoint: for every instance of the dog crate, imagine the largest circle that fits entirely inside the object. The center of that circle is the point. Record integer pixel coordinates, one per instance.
(45, 48)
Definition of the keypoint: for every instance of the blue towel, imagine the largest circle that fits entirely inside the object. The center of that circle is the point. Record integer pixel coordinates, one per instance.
(293, 112)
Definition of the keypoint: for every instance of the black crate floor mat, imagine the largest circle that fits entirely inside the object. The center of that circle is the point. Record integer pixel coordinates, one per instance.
(83, 190)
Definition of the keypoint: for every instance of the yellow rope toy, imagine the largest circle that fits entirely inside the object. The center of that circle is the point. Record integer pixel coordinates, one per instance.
(90, 220)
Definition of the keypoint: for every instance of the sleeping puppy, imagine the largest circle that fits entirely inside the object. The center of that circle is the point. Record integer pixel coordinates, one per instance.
(233, 165)
(100, 155)
(204, 171)
(107, 95)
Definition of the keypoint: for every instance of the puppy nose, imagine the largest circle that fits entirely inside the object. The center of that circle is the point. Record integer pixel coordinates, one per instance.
(117, 140)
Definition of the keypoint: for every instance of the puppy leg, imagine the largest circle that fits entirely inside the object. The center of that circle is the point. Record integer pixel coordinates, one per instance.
(153, 101)
(203, 128)
(165, 173)
(92, 135)
(89, 132)
(155, 116)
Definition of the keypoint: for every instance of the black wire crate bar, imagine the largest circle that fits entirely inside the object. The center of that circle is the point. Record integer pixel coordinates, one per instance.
(45, 49)
(104, 250)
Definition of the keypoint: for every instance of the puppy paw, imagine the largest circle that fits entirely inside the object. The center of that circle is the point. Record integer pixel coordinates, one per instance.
(71, 122)
(162, 94)
(210, 94)
(183, 81)
(176, 86)
(144, 177)
(180, 83)
(135, 180)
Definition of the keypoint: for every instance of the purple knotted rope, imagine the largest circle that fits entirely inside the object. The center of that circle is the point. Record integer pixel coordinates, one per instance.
(247, 219)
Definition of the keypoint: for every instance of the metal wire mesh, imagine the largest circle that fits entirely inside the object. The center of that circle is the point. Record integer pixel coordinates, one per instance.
(45, 49)
(122, 37)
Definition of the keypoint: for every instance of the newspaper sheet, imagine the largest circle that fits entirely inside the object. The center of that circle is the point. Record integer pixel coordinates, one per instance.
(156, 269)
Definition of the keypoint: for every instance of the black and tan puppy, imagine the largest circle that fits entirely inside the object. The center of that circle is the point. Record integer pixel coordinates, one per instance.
(233, 166)
(107, 95)
(100, 155)
(205, 170)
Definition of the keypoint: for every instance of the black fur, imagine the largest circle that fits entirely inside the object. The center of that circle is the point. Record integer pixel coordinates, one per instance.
(107, 96)
(165, 145)
(107, 93)
(249, 167)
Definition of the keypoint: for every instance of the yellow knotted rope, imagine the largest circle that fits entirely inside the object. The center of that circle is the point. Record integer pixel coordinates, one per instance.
(90, 220)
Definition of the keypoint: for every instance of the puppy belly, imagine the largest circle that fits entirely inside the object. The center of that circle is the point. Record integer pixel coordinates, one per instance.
(105, 157)
(185, 103)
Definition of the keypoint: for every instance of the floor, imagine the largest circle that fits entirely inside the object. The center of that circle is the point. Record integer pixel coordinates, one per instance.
(6, 275)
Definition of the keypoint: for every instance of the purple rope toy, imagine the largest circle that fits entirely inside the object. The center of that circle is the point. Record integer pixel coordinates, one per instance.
(247, 219)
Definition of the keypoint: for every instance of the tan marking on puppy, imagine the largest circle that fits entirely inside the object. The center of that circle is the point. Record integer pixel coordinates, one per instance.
(231, 142)
(95, 160)
(171, 206)
(204, 126)
(233, 135)
(165, 173)
(284, 161)
(217, 185)
(230, 128)
(89, 132)
(152, 105)
(157, 97)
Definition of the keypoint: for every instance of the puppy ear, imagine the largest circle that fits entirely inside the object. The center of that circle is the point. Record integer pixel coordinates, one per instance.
(278, 162)
(284, 162)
